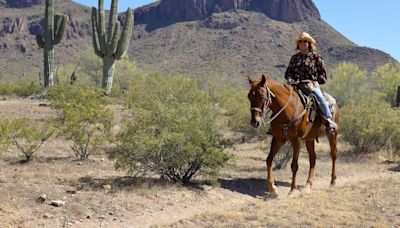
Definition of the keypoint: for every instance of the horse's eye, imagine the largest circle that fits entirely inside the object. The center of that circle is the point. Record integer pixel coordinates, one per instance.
(254, 93)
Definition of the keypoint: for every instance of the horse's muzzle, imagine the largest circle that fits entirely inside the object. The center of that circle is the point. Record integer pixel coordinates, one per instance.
(255, 122)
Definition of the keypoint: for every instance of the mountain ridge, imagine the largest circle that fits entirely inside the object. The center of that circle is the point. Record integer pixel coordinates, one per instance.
(166, 12)
(230, 43)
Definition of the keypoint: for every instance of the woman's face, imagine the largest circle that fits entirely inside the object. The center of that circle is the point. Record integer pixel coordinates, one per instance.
(303, 45)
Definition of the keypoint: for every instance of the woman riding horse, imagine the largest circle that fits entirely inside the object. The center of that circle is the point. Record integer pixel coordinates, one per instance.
(288, 123)
(289, 116)
(307, 70)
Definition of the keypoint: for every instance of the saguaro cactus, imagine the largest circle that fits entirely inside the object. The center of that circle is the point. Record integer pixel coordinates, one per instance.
(111, 45)
(53, 32)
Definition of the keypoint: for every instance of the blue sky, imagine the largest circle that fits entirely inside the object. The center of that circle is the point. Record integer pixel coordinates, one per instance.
(370, 23)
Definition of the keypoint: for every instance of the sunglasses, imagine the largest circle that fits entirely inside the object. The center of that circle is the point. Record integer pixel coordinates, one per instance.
(303, 41)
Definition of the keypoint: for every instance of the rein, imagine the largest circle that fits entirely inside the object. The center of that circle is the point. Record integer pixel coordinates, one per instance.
(280, 111)
(268, 100)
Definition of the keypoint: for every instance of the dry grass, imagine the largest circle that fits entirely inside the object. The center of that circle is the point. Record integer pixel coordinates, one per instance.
(366, 193)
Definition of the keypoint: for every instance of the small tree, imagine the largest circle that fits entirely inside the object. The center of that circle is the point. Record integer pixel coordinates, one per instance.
(172, 132)
(26, 134)
(395, 139)
(387, 79)
(84, 119)
(370, 124)
(349, 83)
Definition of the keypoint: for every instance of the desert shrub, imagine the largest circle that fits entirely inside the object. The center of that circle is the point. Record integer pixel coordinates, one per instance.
(91, 72)
(22, 88)
(395, 139)
(63, 76)
(25, 134)
(234, 106)
(369, 124)
(91, 67)
(349, 83)
(387, 79)
(124, 72)
(172, 131)
(84, 118)
(283, 157)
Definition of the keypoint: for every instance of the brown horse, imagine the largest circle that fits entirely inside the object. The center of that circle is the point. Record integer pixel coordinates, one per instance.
(288, 122)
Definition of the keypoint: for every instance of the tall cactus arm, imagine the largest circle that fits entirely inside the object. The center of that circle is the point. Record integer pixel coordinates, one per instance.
(60, 27)
(101, 27)
(123, 43)
(112, 20)
(95, 34)
(114, 42)
(39, 40)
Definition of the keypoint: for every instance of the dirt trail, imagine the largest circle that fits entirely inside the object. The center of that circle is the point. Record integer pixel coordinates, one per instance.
(366, 193)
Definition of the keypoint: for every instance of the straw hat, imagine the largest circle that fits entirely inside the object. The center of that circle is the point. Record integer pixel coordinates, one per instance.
(308, 37)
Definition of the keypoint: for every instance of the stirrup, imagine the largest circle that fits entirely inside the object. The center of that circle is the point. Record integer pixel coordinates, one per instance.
(331, 126)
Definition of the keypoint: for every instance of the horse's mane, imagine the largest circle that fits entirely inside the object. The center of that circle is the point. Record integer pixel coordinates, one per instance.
(279, 85)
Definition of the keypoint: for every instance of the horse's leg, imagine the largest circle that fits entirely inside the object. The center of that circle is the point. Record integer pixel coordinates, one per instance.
(276, 145)
(296, 151)
(312, 157)
(332, 142)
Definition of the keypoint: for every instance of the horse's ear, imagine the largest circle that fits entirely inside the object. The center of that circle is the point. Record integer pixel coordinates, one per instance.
(250, 79)
(263, 80)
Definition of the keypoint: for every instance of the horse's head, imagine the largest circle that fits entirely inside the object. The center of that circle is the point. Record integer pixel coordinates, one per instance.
(260, 98)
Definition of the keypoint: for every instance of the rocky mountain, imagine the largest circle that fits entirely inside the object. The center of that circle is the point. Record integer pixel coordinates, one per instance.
(20, 3)
(21, 20)
(202, 38)
(167, 12)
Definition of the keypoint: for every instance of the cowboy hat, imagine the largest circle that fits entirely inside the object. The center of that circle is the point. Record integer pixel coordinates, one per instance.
(308, 37)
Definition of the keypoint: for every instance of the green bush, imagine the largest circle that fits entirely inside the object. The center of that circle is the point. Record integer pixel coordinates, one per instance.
(349, 83)
(90, 71)
(84, 118)
(395, 139)
(63, 76)
(370, 124)
(22, 88)
(234, 106)
(91, 67)
(387, 79)
(26, 134)
(172, 131)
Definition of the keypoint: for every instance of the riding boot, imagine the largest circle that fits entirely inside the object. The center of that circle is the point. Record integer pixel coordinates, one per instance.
(331, 126)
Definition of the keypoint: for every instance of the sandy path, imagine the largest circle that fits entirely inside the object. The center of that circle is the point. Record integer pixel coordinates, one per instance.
(366, 193)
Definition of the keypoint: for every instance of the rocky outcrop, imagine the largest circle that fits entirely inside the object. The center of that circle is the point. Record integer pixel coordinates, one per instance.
(167, 12)
(22, 3)
(13, 25)
(76, 28)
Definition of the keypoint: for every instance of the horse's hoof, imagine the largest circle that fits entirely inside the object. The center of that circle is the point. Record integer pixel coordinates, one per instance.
(273, 193)
(307, 188)
(293, 193)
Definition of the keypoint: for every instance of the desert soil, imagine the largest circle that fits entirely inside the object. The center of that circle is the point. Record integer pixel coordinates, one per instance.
(96, 195)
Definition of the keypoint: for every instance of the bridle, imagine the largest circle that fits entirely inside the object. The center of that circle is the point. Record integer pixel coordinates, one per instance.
(267, 100)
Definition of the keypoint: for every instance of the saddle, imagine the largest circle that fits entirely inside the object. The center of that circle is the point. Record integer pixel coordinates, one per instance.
(311, 103)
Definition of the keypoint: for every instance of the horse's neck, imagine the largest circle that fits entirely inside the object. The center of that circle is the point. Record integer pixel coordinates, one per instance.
(285, 97)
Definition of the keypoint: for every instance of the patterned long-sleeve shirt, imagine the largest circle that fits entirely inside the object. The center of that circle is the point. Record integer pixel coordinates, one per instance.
(307, 67)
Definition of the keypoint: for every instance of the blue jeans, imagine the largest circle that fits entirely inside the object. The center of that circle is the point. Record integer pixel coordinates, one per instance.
(324, 104)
